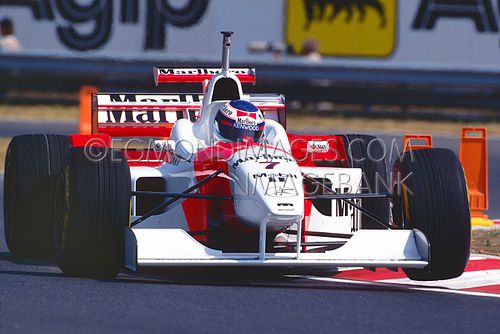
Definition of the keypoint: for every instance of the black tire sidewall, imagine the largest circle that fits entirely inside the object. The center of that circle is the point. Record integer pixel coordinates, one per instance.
(31, 163)
(97, 213)
(438, 206)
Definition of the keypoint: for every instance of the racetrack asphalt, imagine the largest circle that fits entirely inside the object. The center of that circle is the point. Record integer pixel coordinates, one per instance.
(35, 297)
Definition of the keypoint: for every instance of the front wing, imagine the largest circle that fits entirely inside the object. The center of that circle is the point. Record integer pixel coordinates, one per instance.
(366, 248)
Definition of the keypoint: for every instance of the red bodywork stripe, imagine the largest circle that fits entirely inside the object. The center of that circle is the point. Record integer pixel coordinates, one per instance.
(150, 106)
(226, 122)
(488, 288)
(382, 273)
(156, 130)
(336, 151)
(196, 213)
(175, 106)
(367, 275)
(98, 140)
(198, 78)
(240, 113)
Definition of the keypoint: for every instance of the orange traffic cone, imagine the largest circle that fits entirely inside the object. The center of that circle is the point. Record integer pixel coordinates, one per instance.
(416, 142)
(474, 158)
(86, 92)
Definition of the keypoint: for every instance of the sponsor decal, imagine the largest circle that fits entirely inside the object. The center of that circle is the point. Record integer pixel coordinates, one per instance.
(202, 71)
(276, 184)
(137, 117)
(143, 108)
(270, 165)
(88, 25)
(335, 208)
(263, 158)
(148, 99)
(241, 116)
(228, 111)
(479, 12)
(285, 206)
(249, 127)
(279, 176)
(246, 114)
(349, 28)
(343, 209)
(244, 120)
(318, 146)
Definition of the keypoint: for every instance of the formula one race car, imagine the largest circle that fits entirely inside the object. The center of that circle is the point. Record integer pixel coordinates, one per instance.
(214, 179)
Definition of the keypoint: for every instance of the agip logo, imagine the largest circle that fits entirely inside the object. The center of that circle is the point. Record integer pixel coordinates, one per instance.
(88, 25)
(348, 28)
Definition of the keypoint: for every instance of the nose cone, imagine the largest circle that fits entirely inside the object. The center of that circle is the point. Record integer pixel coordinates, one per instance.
(268, 187)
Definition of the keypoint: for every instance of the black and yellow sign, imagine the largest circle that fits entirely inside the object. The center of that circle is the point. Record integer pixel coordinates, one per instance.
(349, 28)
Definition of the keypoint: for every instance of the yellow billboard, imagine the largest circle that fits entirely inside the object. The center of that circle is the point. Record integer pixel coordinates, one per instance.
(344, 28)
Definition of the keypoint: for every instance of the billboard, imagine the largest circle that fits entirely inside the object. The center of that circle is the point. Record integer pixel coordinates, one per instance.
(343, 28)
(418, 34)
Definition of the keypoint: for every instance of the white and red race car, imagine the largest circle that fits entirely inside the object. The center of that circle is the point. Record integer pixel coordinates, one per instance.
(150, 187)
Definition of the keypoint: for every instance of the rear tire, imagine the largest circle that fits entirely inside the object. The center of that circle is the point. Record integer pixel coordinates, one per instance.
(366, 152)
(93, 207)
(31, 167)
(433, 199)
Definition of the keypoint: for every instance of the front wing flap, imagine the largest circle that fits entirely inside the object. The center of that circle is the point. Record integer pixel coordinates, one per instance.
(366, 248)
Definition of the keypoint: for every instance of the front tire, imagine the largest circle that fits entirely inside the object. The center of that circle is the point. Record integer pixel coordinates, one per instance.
(433, 199)
(31, 166)
(93, 206)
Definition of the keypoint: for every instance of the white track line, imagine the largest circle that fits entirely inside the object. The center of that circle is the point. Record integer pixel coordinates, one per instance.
(408, 287)
(471, 279)
(474, 257)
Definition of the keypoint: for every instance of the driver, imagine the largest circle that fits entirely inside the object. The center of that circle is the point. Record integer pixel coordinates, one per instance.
(238, 120)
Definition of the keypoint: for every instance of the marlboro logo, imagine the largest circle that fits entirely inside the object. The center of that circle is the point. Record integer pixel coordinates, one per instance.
(247, 114)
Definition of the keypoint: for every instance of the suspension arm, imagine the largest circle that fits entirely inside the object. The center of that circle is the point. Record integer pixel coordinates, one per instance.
(173, 200)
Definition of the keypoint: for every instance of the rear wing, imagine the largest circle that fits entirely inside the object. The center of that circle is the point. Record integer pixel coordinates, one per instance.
(153, 115)
(199, 75)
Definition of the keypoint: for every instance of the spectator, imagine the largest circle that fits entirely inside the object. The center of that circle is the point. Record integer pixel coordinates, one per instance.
(310, 51)
(8, 41)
